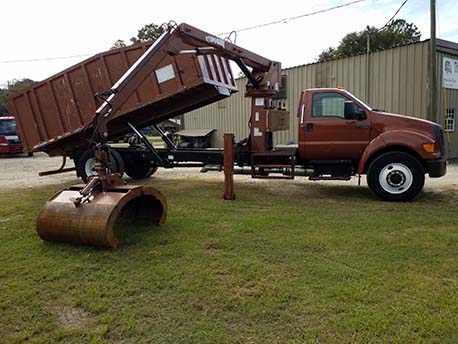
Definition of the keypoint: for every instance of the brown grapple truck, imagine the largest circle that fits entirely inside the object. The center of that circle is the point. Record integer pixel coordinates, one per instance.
(186, 68)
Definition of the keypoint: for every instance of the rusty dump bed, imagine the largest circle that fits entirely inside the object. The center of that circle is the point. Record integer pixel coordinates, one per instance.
(52, 114)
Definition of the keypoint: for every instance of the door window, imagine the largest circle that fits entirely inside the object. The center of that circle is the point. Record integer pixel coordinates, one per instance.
(328, 104)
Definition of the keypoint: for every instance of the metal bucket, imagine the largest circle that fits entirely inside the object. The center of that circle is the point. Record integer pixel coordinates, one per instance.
(93, 223)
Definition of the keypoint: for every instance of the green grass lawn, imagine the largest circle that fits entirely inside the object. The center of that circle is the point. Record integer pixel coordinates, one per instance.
(295, 263)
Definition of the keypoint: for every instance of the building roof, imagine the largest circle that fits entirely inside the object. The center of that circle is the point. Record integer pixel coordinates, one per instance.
(195, 132)
(446, 46)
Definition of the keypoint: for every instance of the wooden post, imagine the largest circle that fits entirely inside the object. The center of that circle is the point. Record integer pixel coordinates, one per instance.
(229, 167)
(368, 67)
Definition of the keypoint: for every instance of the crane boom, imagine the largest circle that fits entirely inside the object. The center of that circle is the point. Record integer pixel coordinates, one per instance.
(263, 79)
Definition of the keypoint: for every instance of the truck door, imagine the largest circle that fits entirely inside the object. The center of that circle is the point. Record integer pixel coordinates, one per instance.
(327, 132)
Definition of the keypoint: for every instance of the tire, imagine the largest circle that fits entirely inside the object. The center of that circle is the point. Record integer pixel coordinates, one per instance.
(30, 154)
(396, 177)
(86, 164)
(140, 170)
(118, 161)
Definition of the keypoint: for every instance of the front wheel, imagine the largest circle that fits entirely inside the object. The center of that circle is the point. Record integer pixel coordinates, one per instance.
(396, 177)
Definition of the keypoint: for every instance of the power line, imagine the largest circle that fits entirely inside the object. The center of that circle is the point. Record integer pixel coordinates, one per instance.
(47, 58)
(394, 15)
(221, 34)
(293, 18)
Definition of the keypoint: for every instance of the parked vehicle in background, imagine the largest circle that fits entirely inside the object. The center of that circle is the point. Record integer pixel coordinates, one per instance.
(194, 138)
(9, 140)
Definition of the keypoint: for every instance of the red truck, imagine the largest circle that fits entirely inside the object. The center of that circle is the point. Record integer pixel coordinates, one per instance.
(9, 140)
(339, 135)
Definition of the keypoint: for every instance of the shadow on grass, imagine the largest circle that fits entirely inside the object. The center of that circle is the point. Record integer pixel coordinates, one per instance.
(134, 233)
(362, 193)
(130, 234)
(448, 196)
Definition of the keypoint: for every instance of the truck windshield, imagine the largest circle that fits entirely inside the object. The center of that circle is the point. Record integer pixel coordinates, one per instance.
(8, 127)
(360, 101)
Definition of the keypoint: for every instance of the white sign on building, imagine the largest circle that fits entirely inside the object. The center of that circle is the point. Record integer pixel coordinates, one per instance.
(450, 73)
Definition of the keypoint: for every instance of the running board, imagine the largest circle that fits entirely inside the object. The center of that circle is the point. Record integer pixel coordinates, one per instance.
(315, 178)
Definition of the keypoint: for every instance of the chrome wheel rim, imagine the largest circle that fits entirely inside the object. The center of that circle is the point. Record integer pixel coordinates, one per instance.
(396, 178)
(89, 167)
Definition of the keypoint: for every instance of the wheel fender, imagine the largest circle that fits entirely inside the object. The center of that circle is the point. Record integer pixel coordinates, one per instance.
(405, 138)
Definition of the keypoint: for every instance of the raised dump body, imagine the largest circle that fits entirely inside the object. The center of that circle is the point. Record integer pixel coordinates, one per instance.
(55, 115)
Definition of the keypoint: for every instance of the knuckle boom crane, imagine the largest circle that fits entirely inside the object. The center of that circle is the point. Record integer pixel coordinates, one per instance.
(85, 214)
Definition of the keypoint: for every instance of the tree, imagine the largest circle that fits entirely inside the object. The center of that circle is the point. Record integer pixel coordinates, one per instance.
(328, 54)
(148, 32)
(12, 87)
(398, 32)
(3, 102)
(118, 44)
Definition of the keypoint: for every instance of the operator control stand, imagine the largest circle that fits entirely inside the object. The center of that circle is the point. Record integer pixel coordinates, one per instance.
(260, 137)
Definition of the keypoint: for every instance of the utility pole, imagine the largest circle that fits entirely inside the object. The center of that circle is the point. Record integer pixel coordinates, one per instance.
(434, 115)
(368, 66)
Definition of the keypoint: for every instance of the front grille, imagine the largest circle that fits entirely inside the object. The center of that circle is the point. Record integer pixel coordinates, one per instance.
(439, 133)
(13, 142)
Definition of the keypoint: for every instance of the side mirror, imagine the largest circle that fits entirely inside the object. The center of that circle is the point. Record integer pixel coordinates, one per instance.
(353, 111)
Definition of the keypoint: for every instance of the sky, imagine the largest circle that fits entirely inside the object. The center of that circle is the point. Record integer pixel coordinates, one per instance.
(32, 29)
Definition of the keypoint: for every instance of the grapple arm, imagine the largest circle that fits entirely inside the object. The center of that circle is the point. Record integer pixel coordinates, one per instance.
(264, 78)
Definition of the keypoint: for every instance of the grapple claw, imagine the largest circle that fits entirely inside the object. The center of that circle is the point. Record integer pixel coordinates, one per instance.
(93, 223)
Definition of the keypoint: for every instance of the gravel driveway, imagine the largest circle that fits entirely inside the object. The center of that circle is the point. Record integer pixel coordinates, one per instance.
(22, 172)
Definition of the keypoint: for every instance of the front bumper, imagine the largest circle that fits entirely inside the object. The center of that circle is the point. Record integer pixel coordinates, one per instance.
(436, 168)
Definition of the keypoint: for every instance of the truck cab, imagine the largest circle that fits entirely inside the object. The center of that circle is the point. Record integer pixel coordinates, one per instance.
(340, 136)
(9, 140)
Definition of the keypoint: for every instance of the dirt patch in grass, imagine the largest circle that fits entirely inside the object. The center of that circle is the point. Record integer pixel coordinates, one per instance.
(71, 318)
(213, 248)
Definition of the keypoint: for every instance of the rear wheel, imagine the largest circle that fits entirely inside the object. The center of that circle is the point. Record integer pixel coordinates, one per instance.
(396, 177)
(140, 170)
(86, 164)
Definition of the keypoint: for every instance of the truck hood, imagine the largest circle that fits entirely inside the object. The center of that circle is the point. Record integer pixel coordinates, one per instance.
(382, 121)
